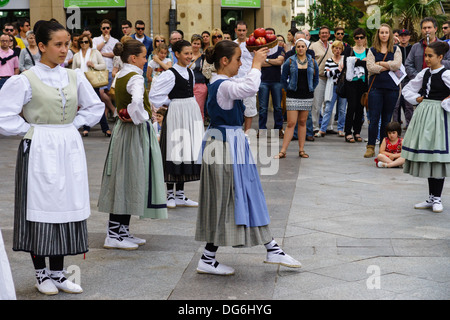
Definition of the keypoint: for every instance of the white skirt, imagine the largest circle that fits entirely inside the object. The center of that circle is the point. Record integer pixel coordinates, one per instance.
(185, 131)
(58, 190)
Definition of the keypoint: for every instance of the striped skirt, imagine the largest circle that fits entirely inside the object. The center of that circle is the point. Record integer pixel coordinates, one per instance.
(216, 219)
(42, 239)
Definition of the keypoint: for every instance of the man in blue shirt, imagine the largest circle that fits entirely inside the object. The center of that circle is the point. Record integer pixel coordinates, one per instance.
(146, 40)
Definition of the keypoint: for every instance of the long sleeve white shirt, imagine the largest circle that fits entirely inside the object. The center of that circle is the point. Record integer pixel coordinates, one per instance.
(164, 83)
(411, 90)
(237, 88)
(17, 92)
(136, 88)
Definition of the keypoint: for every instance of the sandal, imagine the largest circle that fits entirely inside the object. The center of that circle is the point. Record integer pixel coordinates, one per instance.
(280, 155)
(341, 134)
(303, 154)
(349, 138)
(358, 138)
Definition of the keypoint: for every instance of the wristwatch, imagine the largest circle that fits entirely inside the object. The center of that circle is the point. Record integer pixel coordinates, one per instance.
(104, 41)
(267, 60)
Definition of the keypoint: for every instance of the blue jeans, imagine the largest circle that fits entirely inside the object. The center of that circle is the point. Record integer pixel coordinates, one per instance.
(274, 88)
(329, 106)
(381, 105)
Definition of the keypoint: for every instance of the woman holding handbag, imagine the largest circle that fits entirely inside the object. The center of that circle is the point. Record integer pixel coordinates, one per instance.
(355, 85)
(30, 55)
(384, 93)
(85, 59)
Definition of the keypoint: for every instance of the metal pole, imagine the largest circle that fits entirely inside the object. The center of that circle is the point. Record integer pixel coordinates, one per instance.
(151, 19)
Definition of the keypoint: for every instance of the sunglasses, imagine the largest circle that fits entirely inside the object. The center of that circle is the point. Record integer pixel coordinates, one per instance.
(106, 28)
(83, 42)
(140, 29)
(339, 33)
(9, 30)
(359, 38)
(445, 28)
(218, 36)
(160, 40)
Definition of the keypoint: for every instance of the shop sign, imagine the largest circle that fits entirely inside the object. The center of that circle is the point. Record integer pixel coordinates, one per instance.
(241, 3)
(95, 3)
(14, 5)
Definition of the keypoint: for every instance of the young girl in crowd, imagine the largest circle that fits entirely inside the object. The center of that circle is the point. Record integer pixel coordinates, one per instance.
(391, 147)
(426, 145)
(182, 130)
(233, 209)
(132, 181)
(157, 125)
(159, 63)
(52, 192)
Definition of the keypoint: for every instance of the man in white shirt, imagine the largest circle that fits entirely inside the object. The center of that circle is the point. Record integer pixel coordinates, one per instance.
(244, 69)
(105, 44)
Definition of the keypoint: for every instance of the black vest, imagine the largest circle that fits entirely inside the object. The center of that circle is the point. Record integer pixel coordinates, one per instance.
(438, 89)
(183, 88)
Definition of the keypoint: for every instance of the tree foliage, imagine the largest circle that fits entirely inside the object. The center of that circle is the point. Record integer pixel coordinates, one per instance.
(333, 13)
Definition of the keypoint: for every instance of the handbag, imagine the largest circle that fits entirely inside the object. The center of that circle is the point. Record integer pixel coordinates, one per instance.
(97, 78)
(365, 95)
(340, 85)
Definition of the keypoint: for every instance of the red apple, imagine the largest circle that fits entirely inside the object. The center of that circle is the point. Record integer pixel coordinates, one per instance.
(251, 40)
(260, 41)
(260, 32)
(270, 37)
(123, 113)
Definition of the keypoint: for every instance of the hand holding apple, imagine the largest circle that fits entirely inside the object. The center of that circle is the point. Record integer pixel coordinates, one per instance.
(124, 116)
(260, 57)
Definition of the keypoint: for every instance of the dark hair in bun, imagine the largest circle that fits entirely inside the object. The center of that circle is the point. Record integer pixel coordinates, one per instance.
(179, 45)
(43, 30)
(439, 47)
(220, 50)
(129, 48)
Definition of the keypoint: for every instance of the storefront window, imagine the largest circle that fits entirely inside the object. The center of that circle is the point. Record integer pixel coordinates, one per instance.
(91, 19)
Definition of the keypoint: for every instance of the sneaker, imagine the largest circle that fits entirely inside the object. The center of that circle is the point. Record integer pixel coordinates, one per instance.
(61, 282)
(437, 206)
(44, 284)
(182, 201)
(282, 259)
(119, 243)
(124, 233)
(217, 268)
(427, 204)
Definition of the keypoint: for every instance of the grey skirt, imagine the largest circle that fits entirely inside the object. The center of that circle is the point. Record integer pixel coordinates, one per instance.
(293, 104)
(42, 239)
(215, 219)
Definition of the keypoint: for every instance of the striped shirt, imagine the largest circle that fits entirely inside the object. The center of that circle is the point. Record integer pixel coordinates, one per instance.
(332, 70)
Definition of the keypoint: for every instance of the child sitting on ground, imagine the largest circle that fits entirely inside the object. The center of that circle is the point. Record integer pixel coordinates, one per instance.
(389, 155)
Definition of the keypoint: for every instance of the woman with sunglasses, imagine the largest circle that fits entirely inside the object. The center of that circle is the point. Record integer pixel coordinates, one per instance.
(355, 85)
(208, 69)
(88, 57)
(216, 36)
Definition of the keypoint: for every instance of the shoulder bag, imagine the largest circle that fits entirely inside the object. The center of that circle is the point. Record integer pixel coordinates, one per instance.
(97, 78)
(365, 95)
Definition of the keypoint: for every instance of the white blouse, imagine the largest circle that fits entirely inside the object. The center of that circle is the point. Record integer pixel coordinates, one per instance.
(237, 88)
(164, 83)
(16, 92)
(136, 88)
(411, 90)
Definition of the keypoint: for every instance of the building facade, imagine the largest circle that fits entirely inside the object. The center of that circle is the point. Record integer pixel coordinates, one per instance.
(160, 16)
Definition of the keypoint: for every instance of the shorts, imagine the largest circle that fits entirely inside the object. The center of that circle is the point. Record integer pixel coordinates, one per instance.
(250, 107)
